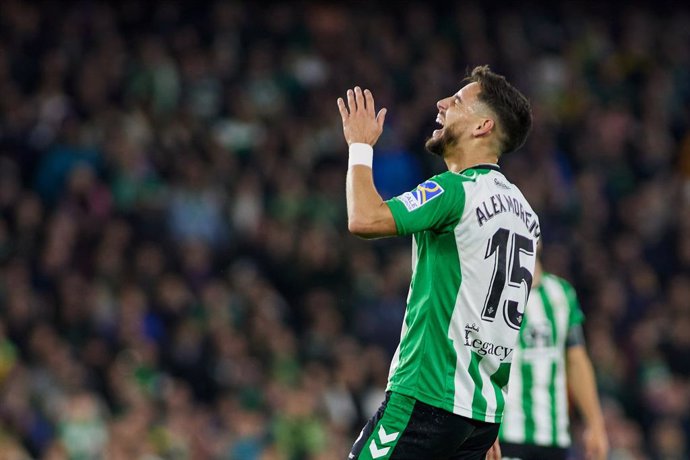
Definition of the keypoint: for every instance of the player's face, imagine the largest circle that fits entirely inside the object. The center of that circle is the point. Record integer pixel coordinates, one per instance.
(455, 113)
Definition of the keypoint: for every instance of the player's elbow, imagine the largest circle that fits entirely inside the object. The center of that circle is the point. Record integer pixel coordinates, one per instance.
(366, 228)
(371, 228)
(360, 228)
(374, 222)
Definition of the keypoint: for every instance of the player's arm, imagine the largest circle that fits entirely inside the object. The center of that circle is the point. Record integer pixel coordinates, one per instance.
(582, 385)
(367, 214)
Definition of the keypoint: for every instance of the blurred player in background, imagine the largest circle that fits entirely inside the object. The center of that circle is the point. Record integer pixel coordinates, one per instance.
(474, 242)
(550, 359)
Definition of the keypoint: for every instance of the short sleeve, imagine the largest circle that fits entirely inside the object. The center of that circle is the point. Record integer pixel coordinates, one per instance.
(576, 316)
(436, 204)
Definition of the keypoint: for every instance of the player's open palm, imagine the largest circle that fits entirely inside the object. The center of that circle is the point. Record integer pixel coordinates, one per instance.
(361, 123)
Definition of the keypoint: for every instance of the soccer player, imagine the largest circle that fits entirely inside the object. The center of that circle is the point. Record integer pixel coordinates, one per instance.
(550, 358)
(474, 238)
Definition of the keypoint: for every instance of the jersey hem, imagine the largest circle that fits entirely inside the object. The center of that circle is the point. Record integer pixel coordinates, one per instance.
(516, 440)
(443, 404)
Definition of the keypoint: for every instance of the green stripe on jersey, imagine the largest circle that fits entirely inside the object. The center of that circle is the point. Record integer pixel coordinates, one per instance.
(552, 402)
(548, 312)
(478, 399)
(425, 357)
(387, 432)
(530, 426)
(499, 380)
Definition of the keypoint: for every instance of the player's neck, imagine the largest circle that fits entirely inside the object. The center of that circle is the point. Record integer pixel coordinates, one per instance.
(459, 160)
(538, 274)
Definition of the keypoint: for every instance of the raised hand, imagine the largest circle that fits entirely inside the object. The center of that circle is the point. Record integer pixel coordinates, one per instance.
(361, 123)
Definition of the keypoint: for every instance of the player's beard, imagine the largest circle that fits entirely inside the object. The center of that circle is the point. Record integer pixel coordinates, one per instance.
(437, 145)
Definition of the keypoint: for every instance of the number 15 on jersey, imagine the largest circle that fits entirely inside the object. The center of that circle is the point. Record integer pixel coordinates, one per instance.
(507, 274)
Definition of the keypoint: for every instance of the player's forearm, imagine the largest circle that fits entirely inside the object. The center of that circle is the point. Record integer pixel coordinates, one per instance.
(583, 386)
(365, 207)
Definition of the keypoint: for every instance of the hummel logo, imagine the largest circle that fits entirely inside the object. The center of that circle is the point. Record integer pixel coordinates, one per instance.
(384, 438)
(375, 451)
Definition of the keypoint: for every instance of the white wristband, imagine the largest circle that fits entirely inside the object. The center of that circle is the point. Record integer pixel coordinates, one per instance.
(360, 154)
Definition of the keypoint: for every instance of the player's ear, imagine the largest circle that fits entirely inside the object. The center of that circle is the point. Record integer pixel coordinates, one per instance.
(483, 127)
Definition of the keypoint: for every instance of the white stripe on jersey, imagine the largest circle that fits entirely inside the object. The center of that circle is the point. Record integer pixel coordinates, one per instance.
(561, 308)
(513, 425)
(542, 404)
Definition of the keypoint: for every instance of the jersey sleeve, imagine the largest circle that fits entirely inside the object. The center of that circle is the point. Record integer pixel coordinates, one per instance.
(575, 336)
(576, 316)
(436, 204)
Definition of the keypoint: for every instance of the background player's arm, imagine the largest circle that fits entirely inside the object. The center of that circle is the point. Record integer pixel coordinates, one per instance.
(580, 376)
(367, 214)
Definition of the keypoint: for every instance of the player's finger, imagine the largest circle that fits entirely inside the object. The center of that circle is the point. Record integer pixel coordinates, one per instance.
(381, 117)
(351, 101)
(343, 110)
(359, 98)
(369, 99)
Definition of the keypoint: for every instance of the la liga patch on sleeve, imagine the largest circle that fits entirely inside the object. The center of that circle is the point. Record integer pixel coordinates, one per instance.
(418, 197)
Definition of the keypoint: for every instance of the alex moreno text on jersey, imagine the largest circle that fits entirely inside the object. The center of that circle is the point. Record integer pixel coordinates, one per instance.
(500, 203)
(483, 348)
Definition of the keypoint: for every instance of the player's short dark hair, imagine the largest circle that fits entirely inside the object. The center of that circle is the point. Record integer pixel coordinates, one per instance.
(510, 106)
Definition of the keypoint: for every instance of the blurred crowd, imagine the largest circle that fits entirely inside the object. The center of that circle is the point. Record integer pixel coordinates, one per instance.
(176, 276)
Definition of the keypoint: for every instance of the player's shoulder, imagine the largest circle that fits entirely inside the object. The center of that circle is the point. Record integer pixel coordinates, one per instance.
(491, 180)
(450, 177)
(456, 180)
(444, 181)
(475, 173)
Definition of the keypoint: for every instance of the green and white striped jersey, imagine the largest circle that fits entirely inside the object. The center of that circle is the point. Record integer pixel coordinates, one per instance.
(473, 255)
(537, 407)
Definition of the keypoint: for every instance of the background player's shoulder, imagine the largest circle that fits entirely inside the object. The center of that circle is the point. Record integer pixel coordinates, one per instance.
(559, 281)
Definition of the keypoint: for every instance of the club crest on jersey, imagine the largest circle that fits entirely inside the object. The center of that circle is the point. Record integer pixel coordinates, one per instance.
(418, 197)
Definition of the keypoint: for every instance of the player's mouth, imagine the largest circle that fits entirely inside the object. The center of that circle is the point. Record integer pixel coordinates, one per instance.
(441, 122)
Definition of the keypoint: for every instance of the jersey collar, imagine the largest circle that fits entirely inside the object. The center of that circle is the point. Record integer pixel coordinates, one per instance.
(492, 166)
